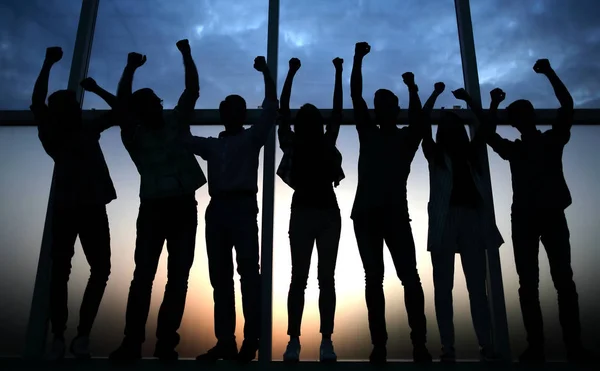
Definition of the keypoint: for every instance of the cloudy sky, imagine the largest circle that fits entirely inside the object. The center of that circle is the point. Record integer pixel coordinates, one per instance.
(225, 35)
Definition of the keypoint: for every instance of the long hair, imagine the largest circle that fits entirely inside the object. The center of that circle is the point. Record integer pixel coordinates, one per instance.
(452, 140)
(308, 125)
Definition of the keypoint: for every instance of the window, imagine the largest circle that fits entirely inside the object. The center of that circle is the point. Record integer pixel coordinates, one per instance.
(511, 35)
(582, 217)
(24, 199)
(225, 37)
(27, 28)
(416, 36)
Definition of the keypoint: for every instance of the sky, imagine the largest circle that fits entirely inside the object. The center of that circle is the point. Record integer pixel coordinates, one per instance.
(225, 36)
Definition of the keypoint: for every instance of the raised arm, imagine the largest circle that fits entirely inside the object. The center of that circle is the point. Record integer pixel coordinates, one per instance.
(285, 131)
(429, 146)
(503, 147)
(333, 127)
(563, 123)
(461, 94)
(40, 89)
(268, 116)
(361, 112)
(134, 61)
(189, 97)
(106, 121)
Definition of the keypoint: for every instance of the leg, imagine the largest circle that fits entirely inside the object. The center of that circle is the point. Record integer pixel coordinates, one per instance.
(64, 234)
(399, 239)
(555, 237)
(474, 268)
(369, 239)
(181, 242)
(443, 282)
(95, 241)
(302, 240)
(525, 238)
(220, 267)
(150, 239)
(328, 241)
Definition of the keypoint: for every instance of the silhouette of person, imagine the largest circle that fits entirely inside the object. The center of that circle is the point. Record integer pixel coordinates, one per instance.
(461, 221)
(83, 188)
(311, 166)
(380, 210)
(540, 197)
(170, 176)
(231, 218)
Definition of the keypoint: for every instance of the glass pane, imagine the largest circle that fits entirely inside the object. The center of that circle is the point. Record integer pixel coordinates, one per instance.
(27, 28)
(511, 35)
(351, 335)
(225, 37)
(410, 35)
(197, 327)
(24, 191)
(580, 166)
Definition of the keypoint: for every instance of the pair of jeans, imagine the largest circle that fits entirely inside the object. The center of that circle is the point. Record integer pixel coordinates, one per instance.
(174, 220)
(232, 222)
(461, 234)
(307, 226)
(371, 230)
(549, 226)
(90, 222)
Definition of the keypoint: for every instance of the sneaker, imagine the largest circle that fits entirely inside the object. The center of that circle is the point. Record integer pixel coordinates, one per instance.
(292, 352)
(327, 354)
(421, 354)
(448, 355)
(248, 351)
(533, 355)
(127, 351)
(80, 347)
(57, 350)
(378, 355)
(226, 351)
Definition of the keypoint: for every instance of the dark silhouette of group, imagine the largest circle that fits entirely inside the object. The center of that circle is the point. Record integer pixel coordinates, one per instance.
(461, 219)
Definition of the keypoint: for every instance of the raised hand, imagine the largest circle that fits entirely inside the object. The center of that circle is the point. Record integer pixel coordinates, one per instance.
(54, 54)
(338, 63)
(460, 94)
(361, 49)
(135, 59)
(439, 87)
(260, 64)
(294, 64)
(497, 95)
(542, 66)
(408, 78)
(89, 84)
(184, 46)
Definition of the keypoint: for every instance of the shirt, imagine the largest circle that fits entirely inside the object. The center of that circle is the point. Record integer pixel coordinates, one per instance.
(167, 167)
(383, 164)
(233, 158)
(538, 180)
(311, 169)
(81, 174)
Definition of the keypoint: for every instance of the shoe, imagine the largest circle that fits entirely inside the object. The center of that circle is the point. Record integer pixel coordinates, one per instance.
(327, 354)
(579, 355)
(80, 347)
(378, 355)
(57, 350)
(248, 351)
(292, 352)
(127, 351)
(226, 351)
(165, 353)
(421, 354)
(533, 355)
(448, 355)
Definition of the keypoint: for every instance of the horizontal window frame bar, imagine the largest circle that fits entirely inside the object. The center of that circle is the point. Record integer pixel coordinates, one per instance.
(210, 117)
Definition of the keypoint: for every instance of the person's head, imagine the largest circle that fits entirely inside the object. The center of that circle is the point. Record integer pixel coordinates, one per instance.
(63, 105)
(451, 133)
(386, 107)
(309, 122)
(147, 106)
(521, 115)
(233, 112)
